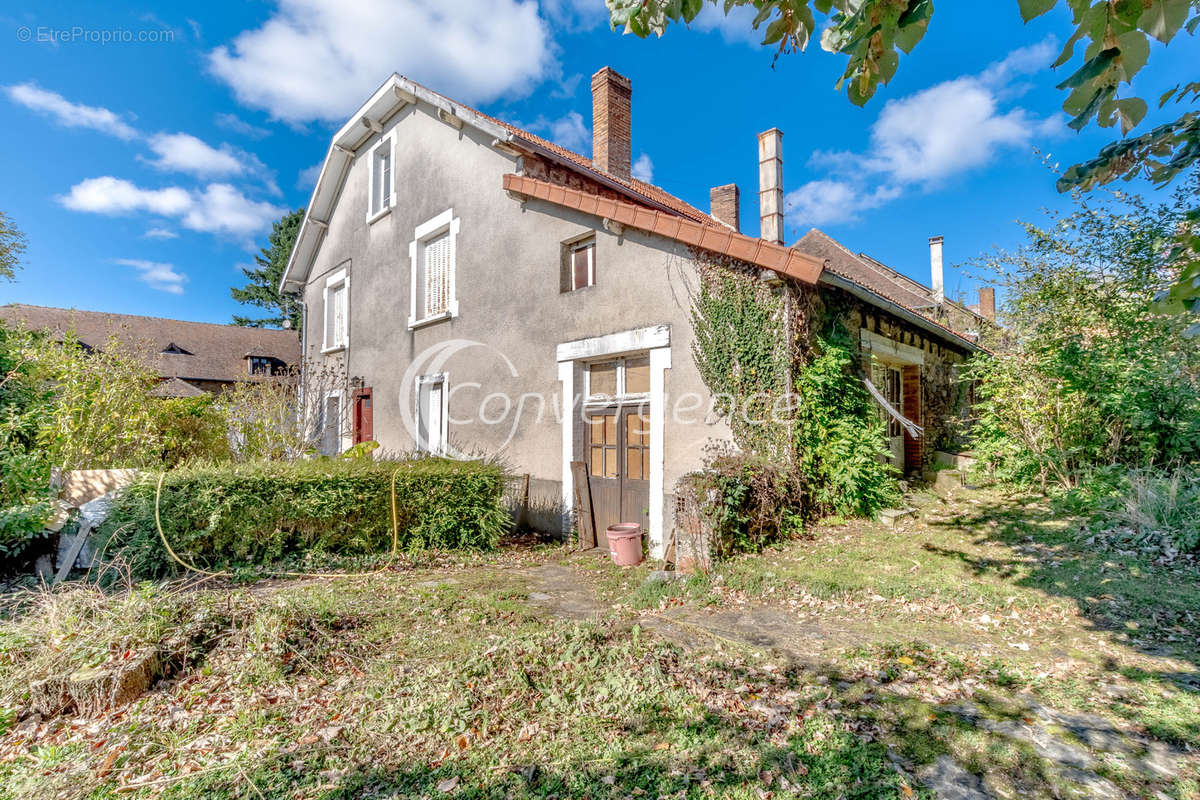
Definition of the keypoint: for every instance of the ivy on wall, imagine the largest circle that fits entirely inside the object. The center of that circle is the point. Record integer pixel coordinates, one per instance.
(785, 372)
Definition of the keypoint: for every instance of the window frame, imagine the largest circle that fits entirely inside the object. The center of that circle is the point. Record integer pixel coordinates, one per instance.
(622, 395)
(339, 280)
(422, 445)
(324, 423)
(587, 243)
(443, 223)
(376, 195)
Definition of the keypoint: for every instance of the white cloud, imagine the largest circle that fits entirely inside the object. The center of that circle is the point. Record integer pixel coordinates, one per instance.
(161, 233)
(643, 168)
(219, 208)
(234, 123)
(182, 152)
(307, 178)
(922, 140)
(68, 114)
(575, 15)
(156, 275)
(829, 202)
(569, 131)
(735, 27)
(109, 195)
(319, 59)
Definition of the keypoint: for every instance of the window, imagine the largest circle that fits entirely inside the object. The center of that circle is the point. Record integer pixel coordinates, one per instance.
(383, 195)
(329, 425)
(337, 294)
(260, 365)
(432, 414)
(887, 380)
(580, 264)
(433, 254)
(622, 377)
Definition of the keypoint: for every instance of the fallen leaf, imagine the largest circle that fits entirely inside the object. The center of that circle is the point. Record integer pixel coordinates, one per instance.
(448, 785)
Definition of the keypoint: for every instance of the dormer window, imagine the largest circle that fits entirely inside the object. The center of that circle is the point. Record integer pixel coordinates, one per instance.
(175, 350)
(260, 365)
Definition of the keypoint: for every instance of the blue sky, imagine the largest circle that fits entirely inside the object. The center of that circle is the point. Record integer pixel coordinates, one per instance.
(146, 169)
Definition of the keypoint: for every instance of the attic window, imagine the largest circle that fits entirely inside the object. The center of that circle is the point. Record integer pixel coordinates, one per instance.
(176, 350)
(261, 365)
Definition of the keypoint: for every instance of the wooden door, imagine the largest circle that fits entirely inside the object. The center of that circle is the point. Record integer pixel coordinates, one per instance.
(364, 425)
(618, 461)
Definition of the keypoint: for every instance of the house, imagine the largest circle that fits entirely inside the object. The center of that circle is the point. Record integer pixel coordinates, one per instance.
(483, 290)
(192, 358)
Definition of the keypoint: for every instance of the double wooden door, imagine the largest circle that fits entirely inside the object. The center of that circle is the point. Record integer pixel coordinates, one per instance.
(618, 461)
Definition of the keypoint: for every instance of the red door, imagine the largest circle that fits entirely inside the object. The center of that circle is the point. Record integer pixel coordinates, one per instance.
(363, 426)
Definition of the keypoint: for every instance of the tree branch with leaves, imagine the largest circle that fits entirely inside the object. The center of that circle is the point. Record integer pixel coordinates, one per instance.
(1116, 35)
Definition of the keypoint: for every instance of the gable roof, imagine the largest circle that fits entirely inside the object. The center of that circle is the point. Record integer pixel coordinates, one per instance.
(397, 92)
(218, 352)
(872, 274)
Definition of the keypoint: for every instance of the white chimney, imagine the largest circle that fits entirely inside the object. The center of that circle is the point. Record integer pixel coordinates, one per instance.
(770, 185)
(935, 268)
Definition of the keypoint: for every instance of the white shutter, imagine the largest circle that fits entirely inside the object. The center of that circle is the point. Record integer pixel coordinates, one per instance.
(339, 315)
(437, 274)
(330, 318)
(385, 182)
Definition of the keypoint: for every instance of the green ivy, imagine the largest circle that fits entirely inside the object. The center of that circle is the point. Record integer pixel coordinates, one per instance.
(820, 451)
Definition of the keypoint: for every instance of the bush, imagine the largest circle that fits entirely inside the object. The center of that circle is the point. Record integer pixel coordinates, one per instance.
(1143, 508)
(748, 502)
(219, 516)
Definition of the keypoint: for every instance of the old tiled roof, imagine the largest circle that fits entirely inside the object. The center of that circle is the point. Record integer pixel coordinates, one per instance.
(177, 387)
(218, 352)
(714, 237)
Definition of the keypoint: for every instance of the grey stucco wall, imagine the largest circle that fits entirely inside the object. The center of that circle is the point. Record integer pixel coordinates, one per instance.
(507, 289)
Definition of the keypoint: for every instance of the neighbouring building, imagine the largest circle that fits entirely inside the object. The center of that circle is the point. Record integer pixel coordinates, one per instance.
(192, 358)
(483, 290)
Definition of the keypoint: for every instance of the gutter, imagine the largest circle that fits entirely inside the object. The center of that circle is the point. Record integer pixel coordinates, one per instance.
(833, 279)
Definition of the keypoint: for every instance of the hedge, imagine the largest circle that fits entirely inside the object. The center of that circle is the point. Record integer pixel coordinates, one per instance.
(261, 513)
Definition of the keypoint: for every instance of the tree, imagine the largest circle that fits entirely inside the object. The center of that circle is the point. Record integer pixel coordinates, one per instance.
(12, 244)
(873, 33)
(1085, 372)
(263, 289)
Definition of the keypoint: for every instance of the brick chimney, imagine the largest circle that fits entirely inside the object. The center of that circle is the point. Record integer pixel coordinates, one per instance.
(611, 118)
(725, 205)
(937, 278)
(987, 302)
(770, 185)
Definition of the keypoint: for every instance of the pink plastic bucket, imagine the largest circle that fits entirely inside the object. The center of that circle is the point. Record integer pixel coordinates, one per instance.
(625, 544)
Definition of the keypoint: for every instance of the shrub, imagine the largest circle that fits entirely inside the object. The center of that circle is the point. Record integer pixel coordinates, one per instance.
(218, 516)
(748, 503)
(1144, 508)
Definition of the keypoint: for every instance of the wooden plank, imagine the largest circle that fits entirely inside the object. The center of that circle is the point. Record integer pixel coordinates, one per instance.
(64, 568)
(583, 506)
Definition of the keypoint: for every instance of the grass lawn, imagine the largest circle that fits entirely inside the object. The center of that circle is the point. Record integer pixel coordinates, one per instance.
(986, 635)
(426, 683)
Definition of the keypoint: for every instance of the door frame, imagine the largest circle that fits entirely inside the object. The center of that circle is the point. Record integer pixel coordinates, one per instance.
(420, 418)
(572, 358)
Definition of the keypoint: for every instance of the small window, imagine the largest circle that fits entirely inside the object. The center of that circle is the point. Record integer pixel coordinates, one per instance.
(622, 377)
(337, 291)
(260, 365)
(382, 188)
(435, 271)
(175, 350)
(581, 264)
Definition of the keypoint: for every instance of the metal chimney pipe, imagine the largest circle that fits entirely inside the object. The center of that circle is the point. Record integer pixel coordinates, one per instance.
(935, 268)
(770, 185)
